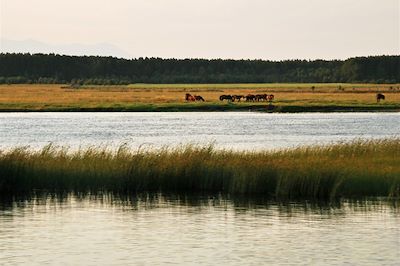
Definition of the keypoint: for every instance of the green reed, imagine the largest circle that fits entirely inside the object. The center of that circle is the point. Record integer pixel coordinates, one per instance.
(359, 168)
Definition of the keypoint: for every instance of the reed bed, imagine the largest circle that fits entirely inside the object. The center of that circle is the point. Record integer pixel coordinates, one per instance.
(359, 168)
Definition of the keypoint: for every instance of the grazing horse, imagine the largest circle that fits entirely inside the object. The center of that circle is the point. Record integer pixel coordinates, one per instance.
(226, 97)
(270, 97)
(261, 97)
(237, 97)
(199, 98)
(189, 98)
(380, 97)
(250, 98)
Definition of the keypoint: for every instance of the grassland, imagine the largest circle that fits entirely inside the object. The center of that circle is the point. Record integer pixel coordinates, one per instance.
(170, 97)
(360, 168)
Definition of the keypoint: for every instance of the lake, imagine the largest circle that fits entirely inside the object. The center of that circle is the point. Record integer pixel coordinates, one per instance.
(198, 229)
(201, 230)
(230, 130)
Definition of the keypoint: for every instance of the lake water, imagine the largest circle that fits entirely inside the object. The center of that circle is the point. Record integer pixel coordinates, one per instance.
(231, 130)
(197, 231)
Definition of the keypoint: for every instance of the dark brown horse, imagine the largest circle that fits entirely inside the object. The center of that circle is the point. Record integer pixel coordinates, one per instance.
(250, 98)
(261, 97)
(237, 97)
(380, 97)
(225, 97)
(199, 98)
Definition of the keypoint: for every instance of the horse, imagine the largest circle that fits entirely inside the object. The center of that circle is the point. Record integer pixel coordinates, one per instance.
(270, 97)
(261, 97)
(198, 98)
(225, 97)
(189, 98)
(380, 97)
(250, 97)
(237, 97)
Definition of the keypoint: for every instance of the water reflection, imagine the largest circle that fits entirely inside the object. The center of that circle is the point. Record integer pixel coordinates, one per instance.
(156, 229)
(146, 201)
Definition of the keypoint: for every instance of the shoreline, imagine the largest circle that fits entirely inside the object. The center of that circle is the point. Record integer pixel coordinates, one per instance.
(212, 108)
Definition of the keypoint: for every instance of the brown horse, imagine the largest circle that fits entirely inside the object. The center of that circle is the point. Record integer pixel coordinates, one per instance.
(380, 97)
(190, 98)
(270, 97)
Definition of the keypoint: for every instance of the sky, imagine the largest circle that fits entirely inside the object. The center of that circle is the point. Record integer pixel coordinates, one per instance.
(235, 29)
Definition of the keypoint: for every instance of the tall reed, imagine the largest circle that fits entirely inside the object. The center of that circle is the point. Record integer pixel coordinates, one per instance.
(359, 168)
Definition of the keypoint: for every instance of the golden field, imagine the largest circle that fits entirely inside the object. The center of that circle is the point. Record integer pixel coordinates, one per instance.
(36, 97)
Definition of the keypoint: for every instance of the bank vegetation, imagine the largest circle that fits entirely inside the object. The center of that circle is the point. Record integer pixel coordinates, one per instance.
(357, 169)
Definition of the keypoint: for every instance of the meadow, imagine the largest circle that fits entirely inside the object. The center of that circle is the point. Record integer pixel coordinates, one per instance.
(170, 97)
(356, 169)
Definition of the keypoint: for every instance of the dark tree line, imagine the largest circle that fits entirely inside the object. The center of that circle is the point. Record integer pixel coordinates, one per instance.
(51, 68)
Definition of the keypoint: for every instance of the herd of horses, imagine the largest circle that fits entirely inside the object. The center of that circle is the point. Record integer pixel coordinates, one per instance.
(251, 97)
(233, 98)
(248, 98)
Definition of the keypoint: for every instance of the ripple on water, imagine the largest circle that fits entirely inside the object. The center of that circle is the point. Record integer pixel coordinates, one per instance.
(232, 130)
(211, 231)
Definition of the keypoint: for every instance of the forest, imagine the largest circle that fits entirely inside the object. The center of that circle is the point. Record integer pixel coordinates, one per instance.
(62, 69)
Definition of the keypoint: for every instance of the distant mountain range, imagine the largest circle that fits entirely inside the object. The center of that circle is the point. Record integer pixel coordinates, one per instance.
(33, 46)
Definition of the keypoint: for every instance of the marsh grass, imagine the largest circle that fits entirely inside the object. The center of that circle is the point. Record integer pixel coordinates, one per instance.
(359, 168)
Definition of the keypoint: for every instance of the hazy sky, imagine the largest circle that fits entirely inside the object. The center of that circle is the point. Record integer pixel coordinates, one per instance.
(265, 29)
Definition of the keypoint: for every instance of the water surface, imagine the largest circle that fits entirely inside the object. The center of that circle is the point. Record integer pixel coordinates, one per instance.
(231, 130)
(203, 231)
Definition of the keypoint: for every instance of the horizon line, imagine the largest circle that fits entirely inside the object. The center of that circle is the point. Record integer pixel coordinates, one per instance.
(197, 58)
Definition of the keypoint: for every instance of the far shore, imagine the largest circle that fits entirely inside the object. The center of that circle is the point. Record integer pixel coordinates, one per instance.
(288, 98)
(214, 108)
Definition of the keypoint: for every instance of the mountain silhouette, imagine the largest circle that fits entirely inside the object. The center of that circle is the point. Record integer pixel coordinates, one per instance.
(79, 49)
